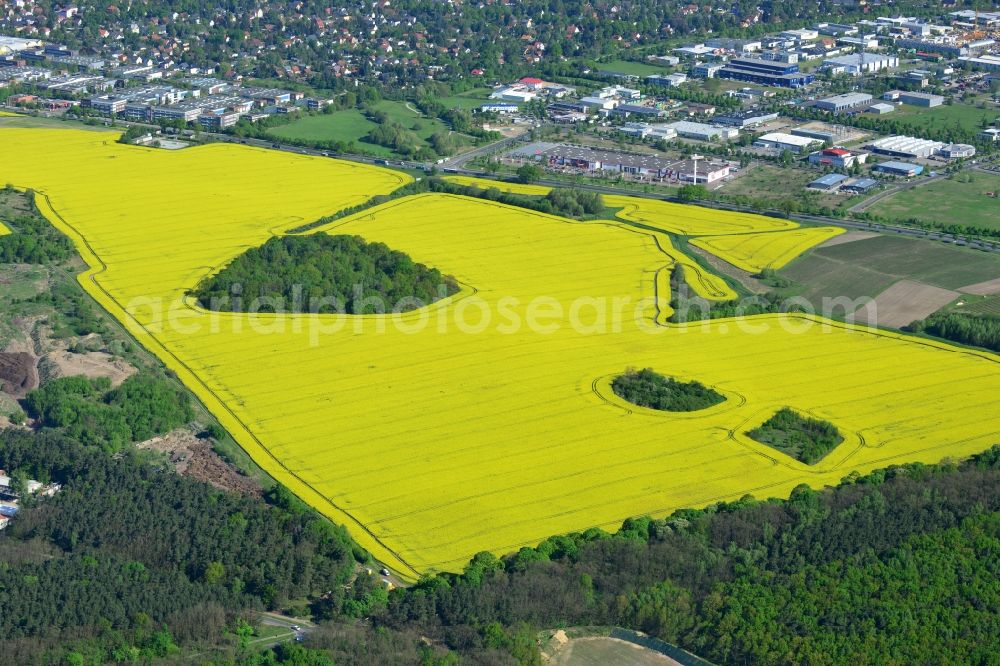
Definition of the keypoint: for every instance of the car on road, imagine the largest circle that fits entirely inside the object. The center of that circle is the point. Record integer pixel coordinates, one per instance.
(296, 627)
(384, 571)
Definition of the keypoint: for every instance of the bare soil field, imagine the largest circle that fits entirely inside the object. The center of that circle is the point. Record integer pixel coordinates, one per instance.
(18, 373)
(987, 288)
(905, 302)
(848, 237)
(867, 267)
(194, 457)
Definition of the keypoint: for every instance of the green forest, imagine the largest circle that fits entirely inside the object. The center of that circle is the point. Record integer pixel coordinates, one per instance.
(647, 388)
(325, 274)
(978, 331)
(93, 413)
(801, 437)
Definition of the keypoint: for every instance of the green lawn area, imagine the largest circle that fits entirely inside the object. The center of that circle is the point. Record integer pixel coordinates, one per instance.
(346, 125)
(470, 99)
(410, 117)
(958, 199)
(968, 117)
(351, 125)
(631, 67)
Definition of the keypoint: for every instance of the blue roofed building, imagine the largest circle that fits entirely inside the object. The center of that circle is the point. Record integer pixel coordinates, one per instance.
(830, 181)
(899, 168)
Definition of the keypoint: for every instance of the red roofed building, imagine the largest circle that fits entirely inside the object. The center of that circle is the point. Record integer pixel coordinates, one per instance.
(838, 158)
(532, 83)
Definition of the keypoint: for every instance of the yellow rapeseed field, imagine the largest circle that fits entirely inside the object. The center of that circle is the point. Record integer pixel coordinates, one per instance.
(755, 252)
(691, 220)
(4, 229)
(485, 421)
(502, 185)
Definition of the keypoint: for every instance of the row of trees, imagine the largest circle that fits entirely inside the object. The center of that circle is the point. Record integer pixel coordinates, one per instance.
(861, 573)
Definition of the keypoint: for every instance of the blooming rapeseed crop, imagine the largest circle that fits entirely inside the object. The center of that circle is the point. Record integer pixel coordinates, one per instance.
(485, 421)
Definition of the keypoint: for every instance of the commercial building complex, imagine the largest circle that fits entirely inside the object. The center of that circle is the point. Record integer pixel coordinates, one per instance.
(765, 72)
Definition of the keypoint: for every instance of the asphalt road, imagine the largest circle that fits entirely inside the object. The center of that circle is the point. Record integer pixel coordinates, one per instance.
(284, 622)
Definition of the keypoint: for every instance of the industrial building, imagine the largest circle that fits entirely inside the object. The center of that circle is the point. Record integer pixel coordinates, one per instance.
(731, 44)
(706, 70)
(956, 150)
(647, 131)
(829, 182)
(860, 186)
(839, 158)
(914, 98)
(899, 169)
(667, 80)
(844, 102)
(503, 108)
(782, 141)
(703, 131)
(988, 62)
(989, 134)
(599, 103)
(765, 72)
(881, 108)
(860, 63)
(590, 159)
(626, 110)
(747, 118)
(906, 146)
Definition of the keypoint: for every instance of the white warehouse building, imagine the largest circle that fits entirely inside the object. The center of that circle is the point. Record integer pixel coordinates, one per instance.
(906, 146)
(782, 141)
(861, 63)
(703, 131)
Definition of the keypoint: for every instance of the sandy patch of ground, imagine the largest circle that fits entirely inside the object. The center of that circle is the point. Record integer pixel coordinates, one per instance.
(62, 363)
(987, 288)
(600, 650)
(905, 302)
(848, 237)
(194, 457)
